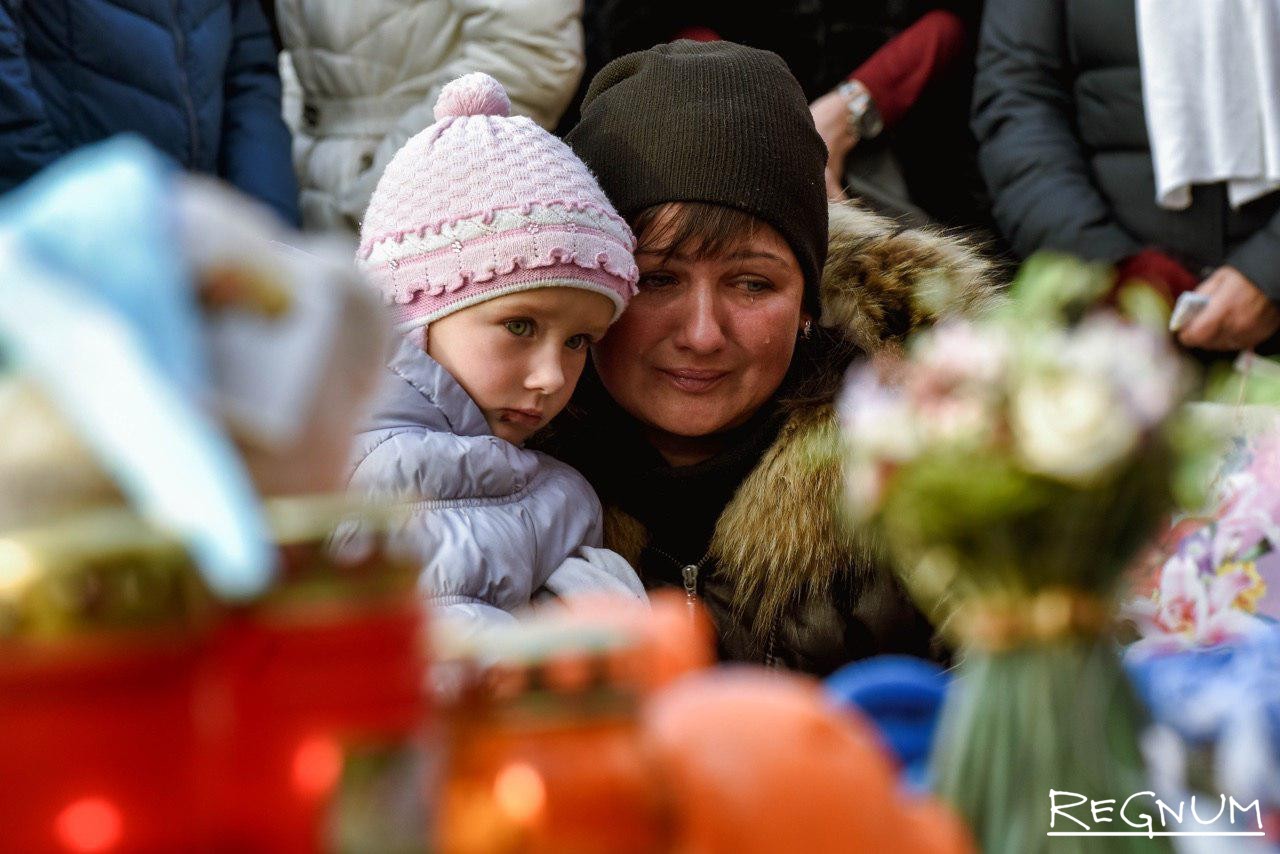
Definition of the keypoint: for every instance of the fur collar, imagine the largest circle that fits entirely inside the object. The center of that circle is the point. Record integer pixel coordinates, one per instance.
(780, 539)
(882, 282)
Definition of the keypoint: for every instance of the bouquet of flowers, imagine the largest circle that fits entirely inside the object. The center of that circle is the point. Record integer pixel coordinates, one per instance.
(1013, 466)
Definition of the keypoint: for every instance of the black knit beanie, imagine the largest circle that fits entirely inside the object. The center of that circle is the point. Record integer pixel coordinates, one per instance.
(712, 122)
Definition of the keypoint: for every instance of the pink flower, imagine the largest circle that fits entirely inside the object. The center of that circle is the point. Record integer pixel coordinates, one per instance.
(878, 421)
(1192, 609)
(960, 353)
(1250, 505)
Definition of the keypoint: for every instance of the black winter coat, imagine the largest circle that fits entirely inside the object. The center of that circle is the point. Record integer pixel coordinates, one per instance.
(1058, 114)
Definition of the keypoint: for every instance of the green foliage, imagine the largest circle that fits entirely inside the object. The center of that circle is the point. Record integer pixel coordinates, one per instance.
(1256, 383)
(1056, 288)
(1142, 304)
(1198, 450)
(959, 499)
(1021, 723)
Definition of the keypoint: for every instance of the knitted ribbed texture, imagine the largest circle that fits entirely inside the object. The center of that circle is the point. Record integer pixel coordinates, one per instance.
(481, 204)
(710, 122)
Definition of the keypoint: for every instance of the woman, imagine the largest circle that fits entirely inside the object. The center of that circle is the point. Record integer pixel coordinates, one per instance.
(888, 82)
(707, 428)
(362, 77)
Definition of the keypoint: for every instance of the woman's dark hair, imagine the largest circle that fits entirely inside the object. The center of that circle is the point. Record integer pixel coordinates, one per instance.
(699, 229)
(817, 368)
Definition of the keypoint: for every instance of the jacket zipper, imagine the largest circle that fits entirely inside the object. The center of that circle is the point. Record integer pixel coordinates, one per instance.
(771, 659)
(180, 44)
(688, 575)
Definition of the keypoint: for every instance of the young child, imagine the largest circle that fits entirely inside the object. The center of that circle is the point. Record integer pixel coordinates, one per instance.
(503, 262)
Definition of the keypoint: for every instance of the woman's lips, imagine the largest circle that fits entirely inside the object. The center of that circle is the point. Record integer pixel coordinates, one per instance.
(521, 417)
(693, 380)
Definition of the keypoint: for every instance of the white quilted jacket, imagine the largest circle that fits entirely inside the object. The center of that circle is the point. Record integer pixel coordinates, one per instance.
(362, 76)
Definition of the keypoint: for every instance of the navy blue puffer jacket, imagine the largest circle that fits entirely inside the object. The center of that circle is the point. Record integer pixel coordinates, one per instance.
(197, 78)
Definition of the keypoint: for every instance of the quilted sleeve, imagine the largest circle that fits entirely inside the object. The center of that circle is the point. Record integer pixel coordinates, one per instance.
(29, 141)
(468, 550)
(1031, 154)
(255, 154)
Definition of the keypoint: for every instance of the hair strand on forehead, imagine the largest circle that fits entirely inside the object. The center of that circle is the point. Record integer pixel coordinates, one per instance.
(696, 229)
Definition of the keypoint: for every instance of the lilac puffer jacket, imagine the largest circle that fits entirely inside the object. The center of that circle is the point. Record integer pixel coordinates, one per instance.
(491, 523)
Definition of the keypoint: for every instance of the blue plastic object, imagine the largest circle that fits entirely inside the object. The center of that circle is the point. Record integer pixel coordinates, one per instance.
(903, 696)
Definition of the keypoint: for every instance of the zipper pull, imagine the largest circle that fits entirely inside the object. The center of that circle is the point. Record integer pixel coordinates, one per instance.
(690, 575)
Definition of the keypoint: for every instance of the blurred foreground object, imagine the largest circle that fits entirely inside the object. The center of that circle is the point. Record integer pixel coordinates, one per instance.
(136, 305)
(140, 714)
(759, 761)
(600, 728)
(1014, 467)
(545, 749)
(903, 696)
(196, 671)
(1221, 705)
(98, 311)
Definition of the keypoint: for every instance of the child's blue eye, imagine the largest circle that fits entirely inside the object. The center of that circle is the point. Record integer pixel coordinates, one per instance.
(577, 342)
(521, 327)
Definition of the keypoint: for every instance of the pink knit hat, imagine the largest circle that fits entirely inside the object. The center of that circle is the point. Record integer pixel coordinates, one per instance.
(482, 204)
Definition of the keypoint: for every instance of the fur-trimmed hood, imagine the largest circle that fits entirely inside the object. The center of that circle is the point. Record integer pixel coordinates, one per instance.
(779, 539)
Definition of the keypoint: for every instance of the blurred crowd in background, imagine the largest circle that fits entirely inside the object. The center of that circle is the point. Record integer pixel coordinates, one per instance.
(1032, 124)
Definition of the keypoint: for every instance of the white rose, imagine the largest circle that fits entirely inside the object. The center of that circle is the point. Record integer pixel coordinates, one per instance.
(964, 353)
(1141, 362)
(1070, 426)
(889, 433)
(864, 484)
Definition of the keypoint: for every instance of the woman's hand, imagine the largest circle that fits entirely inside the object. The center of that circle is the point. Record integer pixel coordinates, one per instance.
(831, 116)
(1238, 317)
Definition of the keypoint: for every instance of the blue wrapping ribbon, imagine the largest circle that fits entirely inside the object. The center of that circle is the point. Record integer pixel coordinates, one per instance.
(1201, 693)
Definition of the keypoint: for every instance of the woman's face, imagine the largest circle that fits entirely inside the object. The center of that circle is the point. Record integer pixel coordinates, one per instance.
(707, 340)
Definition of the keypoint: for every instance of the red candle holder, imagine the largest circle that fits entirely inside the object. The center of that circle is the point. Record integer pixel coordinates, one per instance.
(136, 715)
(98, 746)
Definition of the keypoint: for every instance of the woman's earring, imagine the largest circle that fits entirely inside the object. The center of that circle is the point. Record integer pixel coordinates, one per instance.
(807, 329)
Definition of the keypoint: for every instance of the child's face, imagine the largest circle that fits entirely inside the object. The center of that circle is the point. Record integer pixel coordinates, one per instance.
(519, 356)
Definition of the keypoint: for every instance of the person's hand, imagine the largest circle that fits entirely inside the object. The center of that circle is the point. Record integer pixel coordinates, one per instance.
(831, 117)
(1238, 317)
